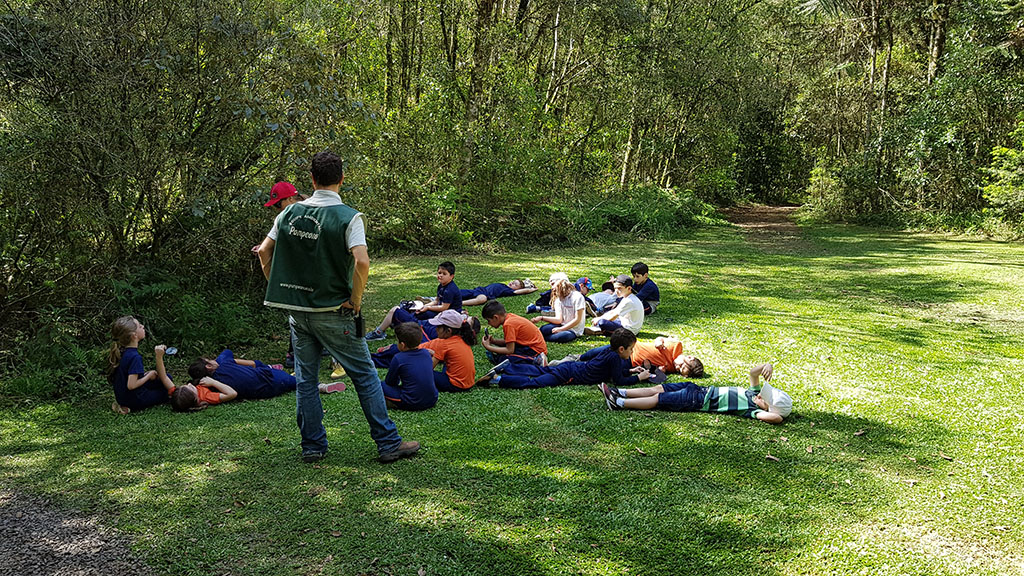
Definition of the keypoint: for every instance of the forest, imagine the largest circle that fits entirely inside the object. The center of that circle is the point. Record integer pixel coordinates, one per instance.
(139, 138)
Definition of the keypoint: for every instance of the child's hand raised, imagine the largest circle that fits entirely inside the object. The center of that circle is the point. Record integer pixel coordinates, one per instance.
(766, 372)
(159, 350)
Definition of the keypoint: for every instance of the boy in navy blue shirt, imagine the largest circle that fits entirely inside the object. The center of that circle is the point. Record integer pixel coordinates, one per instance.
(645, 288)
(409, 384)
(449, 297)
(602, 364)
(481, 294)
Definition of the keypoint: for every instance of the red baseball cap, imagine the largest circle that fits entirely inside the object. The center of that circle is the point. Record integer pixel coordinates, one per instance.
(279, 192)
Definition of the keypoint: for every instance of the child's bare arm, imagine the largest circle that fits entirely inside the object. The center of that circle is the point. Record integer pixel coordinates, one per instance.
(769, 417)
(522, 291)
(134, 380)
(244, 362)
(760, 370)
(227, 393)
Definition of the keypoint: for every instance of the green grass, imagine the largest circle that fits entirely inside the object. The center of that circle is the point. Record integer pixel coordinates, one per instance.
(914, 340)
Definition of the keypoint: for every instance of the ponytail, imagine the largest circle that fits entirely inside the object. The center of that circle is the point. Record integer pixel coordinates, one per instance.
(121, 330)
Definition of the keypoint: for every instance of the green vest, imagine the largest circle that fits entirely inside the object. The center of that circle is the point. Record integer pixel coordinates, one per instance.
(312, 266)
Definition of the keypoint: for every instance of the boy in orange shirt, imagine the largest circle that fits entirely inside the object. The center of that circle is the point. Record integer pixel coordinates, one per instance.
(666, 354)
(523, 341)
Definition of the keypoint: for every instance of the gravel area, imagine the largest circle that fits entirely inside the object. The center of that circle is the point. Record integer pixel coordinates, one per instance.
(36, 538)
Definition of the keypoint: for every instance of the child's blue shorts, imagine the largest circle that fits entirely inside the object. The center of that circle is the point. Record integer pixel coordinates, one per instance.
(682, 397)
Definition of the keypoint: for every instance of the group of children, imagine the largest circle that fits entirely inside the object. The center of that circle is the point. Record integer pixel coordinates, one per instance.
(438, 331)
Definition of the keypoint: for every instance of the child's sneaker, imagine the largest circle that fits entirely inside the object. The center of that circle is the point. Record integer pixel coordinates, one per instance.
(375, 335)
(331, 388)
(541, 359)
(339, 372)
(610, 396)
(277, 367)
(491, 376)
(568, 358)
(532, 309)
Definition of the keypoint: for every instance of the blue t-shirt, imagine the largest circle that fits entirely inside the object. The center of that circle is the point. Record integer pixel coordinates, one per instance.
(412, 372)
(492, 291)
(647, 292)
(252, 382)
(450, 295)
(131, 363)
(598, 365)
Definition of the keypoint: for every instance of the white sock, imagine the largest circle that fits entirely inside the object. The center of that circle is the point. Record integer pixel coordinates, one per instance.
(620, 402)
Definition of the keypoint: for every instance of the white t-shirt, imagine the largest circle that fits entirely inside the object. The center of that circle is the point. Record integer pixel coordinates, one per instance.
(601, 299)
(570, 307)
(355, 232)
(630, 313)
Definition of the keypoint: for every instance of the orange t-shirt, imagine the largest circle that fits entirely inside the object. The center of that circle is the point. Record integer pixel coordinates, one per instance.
(522, 331)
(207, 394)
(666, 358)
(457, 357)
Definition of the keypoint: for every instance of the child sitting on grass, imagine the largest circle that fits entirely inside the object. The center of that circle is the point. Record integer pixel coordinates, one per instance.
(449, 297)
(134, 387)
(666, 354)
(605, 363)
(569, 319)
(409, 384)
(628, 313)
(522, 342)
(645, 289)
(452, 347)
(765, 403)
(481, 294)
(382, 357)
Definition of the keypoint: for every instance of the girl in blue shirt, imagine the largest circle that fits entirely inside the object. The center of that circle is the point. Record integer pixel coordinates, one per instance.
(134, 387)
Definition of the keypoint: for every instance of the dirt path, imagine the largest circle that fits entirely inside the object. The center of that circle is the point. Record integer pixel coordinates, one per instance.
(39, 539)
(770, 227)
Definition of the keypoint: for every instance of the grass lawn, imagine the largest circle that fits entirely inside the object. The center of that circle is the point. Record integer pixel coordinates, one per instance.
(903, 455)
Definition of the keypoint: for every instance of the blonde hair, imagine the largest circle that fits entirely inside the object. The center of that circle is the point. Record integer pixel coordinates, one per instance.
(562, 289)
(122, 331)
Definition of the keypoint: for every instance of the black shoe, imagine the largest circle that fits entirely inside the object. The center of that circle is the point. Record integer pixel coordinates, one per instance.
(610, 396)
(404, 450)
(310, 457)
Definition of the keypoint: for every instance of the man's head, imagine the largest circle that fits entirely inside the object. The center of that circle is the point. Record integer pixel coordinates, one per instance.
(689, 366)
(409, 335)
(282, 195)
(445, 273)
(623, 285)
(494, 313)
(639, 272)
(327, 169)
(622, 341)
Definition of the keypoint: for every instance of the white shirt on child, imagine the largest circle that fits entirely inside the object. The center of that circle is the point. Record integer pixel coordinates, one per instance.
(630, 313)
(569, 306)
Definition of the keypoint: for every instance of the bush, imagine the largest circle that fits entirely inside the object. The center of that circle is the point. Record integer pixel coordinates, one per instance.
(1005, 190)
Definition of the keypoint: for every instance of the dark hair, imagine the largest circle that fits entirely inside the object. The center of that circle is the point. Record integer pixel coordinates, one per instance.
(326, 168)
(467, 331)
(409, 333)
(447, 266)
(639, 268)
(696, 368)
(183, 400)
(621, 338)
(198, 369)
(474, 324)
(609, 285)
(492, 309)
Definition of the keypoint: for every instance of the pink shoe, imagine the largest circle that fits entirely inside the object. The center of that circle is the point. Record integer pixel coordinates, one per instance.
(277, 366)
(332, 387)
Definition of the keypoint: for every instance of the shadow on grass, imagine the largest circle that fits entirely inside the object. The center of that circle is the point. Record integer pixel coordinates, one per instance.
(536, 482)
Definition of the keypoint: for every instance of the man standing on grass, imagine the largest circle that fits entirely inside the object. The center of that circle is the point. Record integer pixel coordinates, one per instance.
(316, 263)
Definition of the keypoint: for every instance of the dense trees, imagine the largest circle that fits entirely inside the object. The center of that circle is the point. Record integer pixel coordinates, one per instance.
(138, 136)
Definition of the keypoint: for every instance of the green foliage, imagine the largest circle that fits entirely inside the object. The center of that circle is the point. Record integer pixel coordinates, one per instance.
(1006, 185)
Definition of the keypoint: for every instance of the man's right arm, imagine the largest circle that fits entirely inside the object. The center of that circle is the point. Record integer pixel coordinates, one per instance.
(360, 274)
(266, 254)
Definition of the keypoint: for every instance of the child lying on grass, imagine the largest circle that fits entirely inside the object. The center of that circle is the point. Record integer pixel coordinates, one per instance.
(481, 294)
(765, 403)
(243, 379)
(605, 363)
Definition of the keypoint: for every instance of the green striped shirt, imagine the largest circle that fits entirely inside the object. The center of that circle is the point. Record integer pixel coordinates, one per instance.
(731, 400)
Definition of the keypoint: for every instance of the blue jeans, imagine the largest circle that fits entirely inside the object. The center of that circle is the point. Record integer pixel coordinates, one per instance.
(562, 337)
(336, 331)
(608, 326)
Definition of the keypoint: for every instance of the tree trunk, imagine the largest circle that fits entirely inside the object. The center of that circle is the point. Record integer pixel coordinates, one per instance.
(937, 45)
(481, 57)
